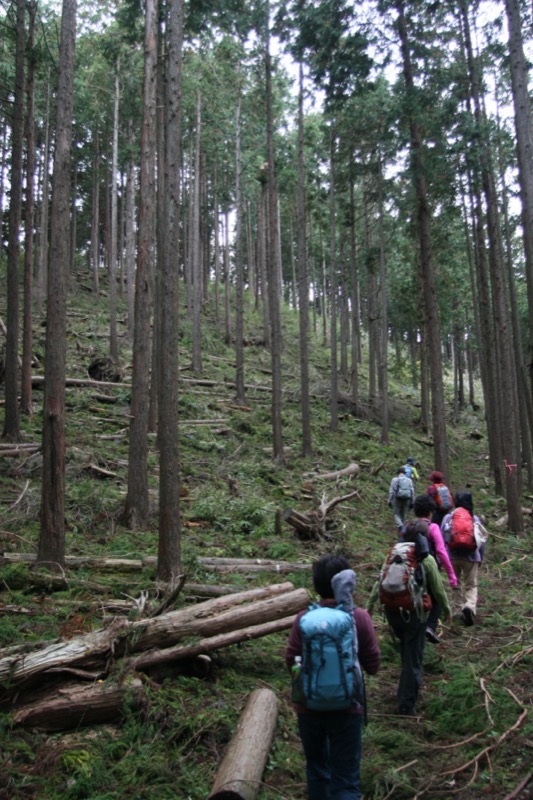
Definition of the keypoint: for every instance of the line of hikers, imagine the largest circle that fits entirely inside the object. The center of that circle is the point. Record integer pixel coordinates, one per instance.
(332, 643)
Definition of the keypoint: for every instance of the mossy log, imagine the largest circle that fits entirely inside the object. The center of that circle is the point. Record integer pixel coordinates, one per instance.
(239, 775)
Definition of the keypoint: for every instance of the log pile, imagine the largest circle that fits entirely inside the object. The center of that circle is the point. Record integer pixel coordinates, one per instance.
(111, 658)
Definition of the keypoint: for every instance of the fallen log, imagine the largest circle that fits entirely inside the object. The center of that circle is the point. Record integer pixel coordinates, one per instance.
(352, 469)
(239, 775)
(213, 563)
(180, 652)
(94, 651)
(73, 705)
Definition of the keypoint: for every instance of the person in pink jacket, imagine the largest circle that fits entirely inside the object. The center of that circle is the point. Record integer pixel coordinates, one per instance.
(424, 507)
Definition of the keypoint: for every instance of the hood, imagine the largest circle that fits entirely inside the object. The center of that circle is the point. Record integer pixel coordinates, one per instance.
(343, 584)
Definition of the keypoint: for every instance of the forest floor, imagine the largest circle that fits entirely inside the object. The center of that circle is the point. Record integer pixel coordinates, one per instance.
(472, 737)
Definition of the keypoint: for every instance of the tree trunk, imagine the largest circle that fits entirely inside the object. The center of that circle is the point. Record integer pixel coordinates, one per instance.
(334, 389)
(136, 510)
(384, 385)
(303, 282)
(169, 547)
(273, 266)
(11, 414)
(506, 384)
(239, 775)
(42, 268)
(95, 221)
(52, 516)
(113, 339)
(196, 254)
(27, 338)
(428, 272)
(524, 149)
(240, 396)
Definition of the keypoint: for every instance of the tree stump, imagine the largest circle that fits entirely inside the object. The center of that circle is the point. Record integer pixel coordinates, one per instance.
(239, 775)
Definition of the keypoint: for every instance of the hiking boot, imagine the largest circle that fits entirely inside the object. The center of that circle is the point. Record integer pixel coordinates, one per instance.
(431, 636)
(468, 616)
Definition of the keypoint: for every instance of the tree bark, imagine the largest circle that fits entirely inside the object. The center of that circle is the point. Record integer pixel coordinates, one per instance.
(239, 775)
(94, 650)
(169, 545)
(11, 415)
(52, 529)
(137, 508)
(303, 281)
(72, 705)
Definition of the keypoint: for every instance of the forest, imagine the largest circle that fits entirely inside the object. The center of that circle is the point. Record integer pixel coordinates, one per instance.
(254, 255)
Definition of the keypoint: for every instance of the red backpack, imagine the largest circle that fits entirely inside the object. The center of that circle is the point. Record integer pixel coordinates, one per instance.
(462, 538)
(402, 581)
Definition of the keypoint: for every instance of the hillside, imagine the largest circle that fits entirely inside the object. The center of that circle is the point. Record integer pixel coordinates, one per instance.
(473, 735)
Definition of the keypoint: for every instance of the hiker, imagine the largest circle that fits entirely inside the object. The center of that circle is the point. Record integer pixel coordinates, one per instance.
(465, 538)
(409, 574)
(441, 496)
(401, 497)
(332, 739)
(411, 470)
(423, 509)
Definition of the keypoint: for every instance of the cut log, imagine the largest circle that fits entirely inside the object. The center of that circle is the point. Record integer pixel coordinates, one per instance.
(239, 775)
(211, 618)
(184, 651)
(212, 563)
(73, 705)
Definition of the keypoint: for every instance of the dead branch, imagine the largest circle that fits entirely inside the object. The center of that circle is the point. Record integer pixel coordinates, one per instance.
(489, 749)
(172, 597)
(351, 469)
(327, 507)
(522, 785)
(488, 699)
(21, 495)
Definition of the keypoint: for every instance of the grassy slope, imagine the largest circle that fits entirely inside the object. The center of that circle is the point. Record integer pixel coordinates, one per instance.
(476, 683)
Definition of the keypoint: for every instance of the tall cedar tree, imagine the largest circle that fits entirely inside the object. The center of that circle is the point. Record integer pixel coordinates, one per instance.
(11, 420)
(426, 255)
(52, 531)
(169, 550)
(137, 509)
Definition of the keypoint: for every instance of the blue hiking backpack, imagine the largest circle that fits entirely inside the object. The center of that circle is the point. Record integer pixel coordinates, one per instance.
(331, 674)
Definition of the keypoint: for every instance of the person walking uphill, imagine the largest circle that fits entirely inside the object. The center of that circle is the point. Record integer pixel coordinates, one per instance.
(465, 539)
(424, 508)
(441, 496)
(332, 737)
(409, 574)
(401, 497)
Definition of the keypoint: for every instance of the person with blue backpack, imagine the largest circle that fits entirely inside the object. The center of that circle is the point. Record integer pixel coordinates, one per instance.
(410, 469)
(332, 641)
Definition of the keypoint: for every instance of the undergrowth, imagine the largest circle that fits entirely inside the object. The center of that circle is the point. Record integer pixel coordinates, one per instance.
(471, 738)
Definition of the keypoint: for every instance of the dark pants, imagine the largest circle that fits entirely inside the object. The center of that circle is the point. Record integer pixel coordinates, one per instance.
(411, 631)
(332, 743)
(434, 614)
